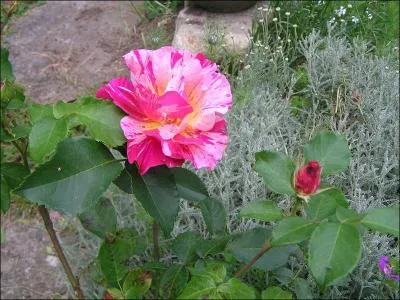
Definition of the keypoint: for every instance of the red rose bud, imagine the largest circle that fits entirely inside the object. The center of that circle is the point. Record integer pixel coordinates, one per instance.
(308, 178)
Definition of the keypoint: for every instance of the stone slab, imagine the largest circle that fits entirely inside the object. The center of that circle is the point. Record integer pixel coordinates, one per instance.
(62, 49)
(191, 23)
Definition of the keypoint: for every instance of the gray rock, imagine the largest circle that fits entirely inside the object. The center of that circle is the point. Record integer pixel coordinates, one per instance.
(63, 49)
(191, 24)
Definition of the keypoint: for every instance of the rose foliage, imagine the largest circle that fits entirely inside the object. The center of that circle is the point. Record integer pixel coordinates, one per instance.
(137, 134)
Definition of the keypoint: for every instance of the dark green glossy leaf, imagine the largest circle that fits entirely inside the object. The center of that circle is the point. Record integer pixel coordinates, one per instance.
(190, 186)
(214, 215)
(102, 118)
(12, 95)
(302, 289)
(73, 180)
(38, 112)
(384, 220)
(323, 204)
(101, 219)
(292, 230)
(261, 210)
(346, 215)
(198, 288)
(275, 292)
(174, 280)
(184, 246)
(247, 244)
(276, 170)
(214, 270)
(157, 192)
(235, 289)
(136, 284)
(334, 250)
(114, 256)
(125, 180)
(6, 68)
(14, 173)
(211, 247)
(5, 195)
(330, 150)
(45, 136)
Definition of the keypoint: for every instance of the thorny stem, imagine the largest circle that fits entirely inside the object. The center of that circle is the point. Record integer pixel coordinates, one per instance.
(59, 251)
(264, 248)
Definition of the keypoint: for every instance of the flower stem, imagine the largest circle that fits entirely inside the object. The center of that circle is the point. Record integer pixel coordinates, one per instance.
(59, 251)
(264, 248)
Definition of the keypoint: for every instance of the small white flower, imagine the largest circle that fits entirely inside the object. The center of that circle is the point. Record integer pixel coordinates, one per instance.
(332, 20)
(261, 61)
(287, 13)
(271, 60)
(369, 16)
(266, 47)
(247, 67)
(320, 2)
(355, 19)
(294, 25)
(240, 60)
(266, 9)
(279, 38)
(342, 20)
(275, 19)
(261, 20)
(341, 11)
(278, 8)
(259, 8)
(349, 5)
(289, 40)
(387, 68)
(287, 59)
(279, 47)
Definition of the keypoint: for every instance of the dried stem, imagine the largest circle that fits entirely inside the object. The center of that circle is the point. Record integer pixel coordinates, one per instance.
(59, 251)
(264, 248)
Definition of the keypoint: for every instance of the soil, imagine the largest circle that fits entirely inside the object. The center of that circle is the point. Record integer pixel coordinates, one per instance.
(61, 50)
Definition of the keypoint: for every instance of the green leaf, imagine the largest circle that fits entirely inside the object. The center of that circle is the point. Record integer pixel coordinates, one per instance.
(14, 173)
(292, 230)
(114, 256)
(17, 102)
(214, 270)
(184, 246)
(330, 150)
(198, 288)
(334, 250)
(174, 280)
(346, 215)
(136, 284)
(38, 112)
(190, 186)
(157, 192)
(17, 132)
(73, 180)
(100, 220)
(102, 118)
(45, 136)
(302, 289)
(323, 204)
(5, 195)
(6, 68)
(211, 247)
(384, 220)
(12, 95)
(261, 210)
(214, 215)
(276, 170)
(125, 180)
(235, 289)
(283, 275)
(275, 292)
(247, 244)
